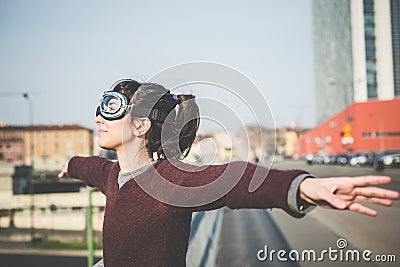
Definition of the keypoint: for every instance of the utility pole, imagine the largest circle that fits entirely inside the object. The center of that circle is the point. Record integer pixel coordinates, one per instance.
(89, 228)
(89, 218)
(347, 138)
(32, 155)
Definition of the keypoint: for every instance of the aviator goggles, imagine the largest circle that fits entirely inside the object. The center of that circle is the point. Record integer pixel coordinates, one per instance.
(113, 106)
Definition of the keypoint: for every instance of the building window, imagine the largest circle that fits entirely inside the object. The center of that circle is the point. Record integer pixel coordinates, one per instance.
(368, 6)
(44, 144)
(369, 31)
(395, 20)
(57, 148)
(380, 134)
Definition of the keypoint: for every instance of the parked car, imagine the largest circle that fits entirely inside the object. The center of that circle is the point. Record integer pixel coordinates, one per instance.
(359, 159)
(371, 158)
(363, 159)
(391, 160)
(318, 159)
(342, 159)
(332, 159)
(386, 158)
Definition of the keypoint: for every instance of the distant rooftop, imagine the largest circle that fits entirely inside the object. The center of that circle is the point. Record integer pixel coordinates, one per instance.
(43, 127)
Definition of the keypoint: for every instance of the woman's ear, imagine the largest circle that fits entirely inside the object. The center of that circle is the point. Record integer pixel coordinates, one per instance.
(141, 126)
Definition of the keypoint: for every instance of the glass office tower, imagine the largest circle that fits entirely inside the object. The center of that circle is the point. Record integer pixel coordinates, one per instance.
(356, 52)
(332, 57)
(395, 20)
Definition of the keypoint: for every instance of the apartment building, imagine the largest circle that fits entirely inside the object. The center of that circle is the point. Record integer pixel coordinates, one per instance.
(46, 147)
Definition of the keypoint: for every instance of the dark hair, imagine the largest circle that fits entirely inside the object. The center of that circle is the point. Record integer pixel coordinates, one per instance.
(128, 87)
(175, 123)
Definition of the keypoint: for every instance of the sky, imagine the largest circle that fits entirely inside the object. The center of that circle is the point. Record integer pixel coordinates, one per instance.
(64, 54)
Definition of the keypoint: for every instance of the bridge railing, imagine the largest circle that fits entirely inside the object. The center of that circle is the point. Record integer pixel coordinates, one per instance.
(204, 238)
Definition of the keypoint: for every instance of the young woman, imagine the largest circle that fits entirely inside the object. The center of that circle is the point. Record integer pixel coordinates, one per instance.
(147, 223)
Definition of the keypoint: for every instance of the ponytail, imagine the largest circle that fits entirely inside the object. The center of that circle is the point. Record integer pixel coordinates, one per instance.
(174, 120)
(187, 120)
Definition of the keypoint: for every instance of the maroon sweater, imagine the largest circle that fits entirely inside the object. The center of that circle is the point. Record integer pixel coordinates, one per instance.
(139, 230)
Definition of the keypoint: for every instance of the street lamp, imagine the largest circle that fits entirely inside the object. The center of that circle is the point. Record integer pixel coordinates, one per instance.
(32, 155)
(30, 103)
(347, 138)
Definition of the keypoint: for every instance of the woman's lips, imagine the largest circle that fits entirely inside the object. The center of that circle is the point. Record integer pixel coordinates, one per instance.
(101, 131)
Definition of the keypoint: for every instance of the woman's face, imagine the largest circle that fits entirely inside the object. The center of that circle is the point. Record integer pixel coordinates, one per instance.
(113, 133)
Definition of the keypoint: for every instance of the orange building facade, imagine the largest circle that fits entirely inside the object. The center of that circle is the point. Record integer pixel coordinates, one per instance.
(371, 126)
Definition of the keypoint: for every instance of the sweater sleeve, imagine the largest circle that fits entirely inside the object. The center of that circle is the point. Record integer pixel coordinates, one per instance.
(93, 171)
(244, 185)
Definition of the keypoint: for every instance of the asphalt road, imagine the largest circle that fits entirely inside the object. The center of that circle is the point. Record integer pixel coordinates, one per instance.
(246, 232)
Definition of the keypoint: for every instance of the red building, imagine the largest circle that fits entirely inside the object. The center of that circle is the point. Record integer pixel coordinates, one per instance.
(370, 126)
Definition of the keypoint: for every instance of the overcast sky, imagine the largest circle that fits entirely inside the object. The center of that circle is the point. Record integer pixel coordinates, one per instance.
(66, 53)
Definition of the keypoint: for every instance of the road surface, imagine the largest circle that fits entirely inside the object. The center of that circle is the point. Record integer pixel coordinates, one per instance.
(246, 232)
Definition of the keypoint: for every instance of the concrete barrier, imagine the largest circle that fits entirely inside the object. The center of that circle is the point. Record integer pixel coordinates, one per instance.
(24, 235)
(204, 238)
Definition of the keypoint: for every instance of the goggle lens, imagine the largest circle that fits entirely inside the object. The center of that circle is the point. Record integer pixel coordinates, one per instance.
(110, 104)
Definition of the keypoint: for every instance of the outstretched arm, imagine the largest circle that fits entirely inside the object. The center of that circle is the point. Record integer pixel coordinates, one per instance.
(346, 193)
(93, 171)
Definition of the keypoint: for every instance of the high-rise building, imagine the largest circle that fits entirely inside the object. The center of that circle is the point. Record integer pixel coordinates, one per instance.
(356, 52)
(395, 18)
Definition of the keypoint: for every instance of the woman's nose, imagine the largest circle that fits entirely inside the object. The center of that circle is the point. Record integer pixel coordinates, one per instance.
(99, 119)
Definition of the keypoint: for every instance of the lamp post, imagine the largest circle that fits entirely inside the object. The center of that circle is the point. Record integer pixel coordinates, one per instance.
(32, 156)
(347, 138)
(30, 103)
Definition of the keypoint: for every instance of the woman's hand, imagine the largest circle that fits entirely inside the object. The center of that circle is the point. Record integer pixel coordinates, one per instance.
(64, 170)
(346, 193)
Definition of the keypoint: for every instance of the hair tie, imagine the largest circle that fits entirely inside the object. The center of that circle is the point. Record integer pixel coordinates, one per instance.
(175, 97)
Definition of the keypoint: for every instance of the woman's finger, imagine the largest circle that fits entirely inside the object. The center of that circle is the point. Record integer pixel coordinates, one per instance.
(376, 192)
(357, 207)
(374, 200)
(369, 180)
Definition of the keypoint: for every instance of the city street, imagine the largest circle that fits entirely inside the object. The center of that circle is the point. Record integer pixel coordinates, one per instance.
(246, 232)
(104, 104)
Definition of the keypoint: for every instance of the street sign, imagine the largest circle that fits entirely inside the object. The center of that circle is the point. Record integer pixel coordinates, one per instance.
(347, 139)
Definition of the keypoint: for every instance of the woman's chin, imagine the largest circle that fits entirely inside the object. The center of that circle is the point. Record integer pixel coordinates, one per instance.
(104, 146)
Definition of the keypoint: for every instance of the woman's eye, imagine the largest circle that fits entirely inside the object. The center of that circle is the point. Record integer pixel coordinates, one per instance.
(112, 106)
